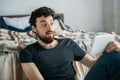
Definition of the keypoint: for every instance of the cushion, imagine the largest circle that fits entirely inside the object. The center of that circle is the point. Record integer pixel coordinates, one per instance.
(20, 23)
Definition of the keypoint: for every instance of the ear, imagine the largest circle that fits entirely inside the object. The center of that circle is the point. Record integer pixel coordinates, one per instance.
(33, 28)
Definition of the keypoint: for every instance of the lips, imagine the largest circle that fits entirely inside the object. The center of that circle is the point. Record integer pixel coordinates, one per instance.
(49, 32)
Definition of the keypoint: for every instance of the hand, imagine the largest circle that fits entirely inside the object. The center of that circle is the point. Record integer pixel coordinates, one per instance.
(114, 45)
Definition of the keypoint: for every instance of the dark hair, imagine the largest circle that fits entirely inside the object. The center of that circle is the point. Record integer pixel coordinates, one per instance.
(42, 11)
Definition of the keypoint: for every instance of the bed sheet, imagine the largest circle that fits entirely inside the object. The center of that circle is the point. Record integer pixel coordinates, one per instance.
(11, 69)
(9, 58)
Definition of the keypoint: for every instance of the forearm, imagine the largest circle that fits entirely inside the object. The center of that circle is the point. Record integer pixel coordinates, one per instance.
(88, 61)
(31, 71)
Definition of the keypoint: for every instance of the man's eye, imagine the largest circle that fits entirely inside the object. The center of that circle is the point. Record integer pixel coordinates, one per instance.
(44, 25)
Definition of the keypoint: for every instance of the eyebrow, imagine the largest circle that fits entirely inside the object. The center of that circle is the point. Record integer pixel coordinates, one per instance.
(44, 21)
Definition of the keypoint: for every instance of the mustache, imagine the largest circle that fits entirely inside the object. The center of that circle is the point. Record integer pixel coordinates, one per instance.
(50, 32)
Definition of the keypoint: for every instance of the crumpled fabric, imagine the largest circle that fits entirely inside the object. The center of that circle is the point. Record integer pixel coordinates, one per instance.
(10, 68)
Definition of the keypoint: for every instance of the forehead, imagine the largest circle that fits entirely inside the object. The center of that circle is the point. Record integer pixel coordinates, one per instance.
(44, 19)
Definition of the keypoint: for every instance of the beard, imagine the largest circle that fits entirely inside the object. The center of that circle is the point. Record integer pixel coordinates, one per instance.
(46, 39)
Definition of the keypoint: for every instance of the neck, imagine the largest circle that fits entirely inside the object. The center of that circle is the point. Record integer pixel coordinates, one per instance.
(48, 46)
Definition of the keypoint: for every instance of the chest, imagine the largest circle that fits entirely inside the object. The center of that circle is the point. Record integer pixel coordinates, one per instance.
(54, 56)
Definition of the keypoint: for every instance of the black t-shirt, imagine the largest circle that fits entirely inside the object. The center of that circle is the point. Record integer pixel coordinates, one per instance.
(54, 63)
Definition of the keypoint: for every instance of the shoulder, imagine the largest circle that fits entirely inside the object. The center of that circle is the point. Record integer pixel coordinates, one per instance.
(66, 42)
(29, 47)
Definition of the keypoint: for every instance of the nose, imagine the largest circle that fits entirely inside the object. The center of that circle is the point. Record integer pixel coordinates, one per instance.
(50, 27)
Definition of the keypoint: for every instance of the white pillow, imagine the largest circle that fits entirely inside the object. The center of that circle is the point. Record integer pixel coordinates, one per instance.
(57, 26)
(21, 22)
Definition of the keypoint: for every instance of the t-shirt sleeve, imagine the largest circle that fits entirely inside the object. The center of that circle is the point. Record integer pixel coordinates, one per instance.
(25, 56)
(79, 53)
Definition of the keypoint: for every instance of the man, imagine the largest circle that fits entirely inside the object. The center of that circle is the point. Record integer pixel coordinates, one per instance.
(50, 58)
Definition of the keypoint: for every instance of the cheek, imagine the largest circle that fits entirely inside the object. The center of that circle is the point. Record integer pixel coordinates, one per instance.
(40, 32)
(53, 28)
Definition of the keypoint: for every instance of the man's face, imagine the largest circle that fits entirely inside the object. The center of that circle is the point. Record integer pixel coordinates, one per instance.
(44, 29)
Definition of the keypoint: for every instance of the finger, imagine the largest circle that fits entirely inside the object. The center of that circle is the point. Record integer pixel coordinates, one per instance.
(108, 49)
(111, 49)
(111, 46)
(118, 48)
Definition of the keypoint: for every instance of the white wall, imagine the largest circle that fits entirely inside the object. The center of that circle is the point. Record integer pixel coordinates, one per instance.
(79, 14)
(117, 16)
(108, 15)
(111, 15)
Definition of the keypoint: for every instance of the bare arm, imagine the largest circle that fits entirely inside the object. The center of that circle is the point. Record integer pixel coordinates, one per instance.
(31, 71)
(88, 60)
